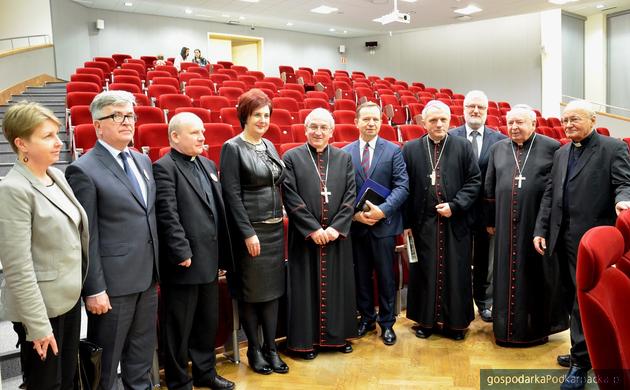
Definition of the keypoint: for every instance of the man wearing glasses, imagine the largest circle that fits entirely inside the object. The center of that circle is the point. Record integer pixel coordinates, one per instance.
(481, 138)
(589, 186)
(115, 186)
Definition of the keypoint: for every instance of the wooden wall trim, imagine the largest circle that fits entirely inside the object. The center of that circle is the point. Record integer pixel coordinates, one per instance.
(24, 49)
(36, 81)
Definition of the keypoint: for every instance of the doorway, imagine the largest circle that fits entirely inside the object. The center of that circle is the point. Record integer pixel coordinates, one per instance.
(239, 49)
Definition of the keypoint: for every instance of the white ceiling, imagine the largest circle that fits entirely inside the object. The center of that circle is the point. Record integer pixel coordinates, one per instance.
(354, 17)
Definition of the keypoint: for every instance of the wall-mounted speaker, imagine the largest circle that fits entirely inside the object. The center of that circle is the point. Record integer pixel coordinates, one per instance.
(100, 24)
(342, 49)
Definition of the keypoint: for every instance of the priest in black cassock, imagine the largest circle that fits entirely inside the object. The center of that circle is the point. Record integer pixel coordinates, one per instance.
(319, 194)
(528, 303)
(444, 182)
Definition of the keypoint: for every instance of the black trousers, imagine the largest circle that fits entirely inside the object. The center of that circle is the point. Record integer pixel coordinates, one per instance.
(375, 254)
(482, 268)
(567, 255)
(56, 372)
(189, 331)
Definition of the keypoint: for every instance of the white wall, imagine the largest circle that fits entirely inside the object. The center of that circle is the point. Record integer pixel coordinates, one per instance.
(24, 18)
(23, 66)
(551, 46)
(595, 59)
(500, 56)
(139, 34)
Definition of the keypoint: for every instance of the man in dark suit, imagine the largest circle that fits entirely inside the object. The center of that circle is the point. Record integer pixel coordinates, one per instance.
(194, 244)
(115, 187)
(374, 230)
(590, 184)
(481, 138)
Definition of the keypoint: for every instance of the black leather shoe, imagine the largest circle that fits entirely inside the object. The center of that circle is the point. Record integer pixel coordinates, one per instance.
(388, 336)
(424, 333)
(575, 378)
(453, 334)
(365, 327)
(307, 355)
(486, 315)
(564, 360)
(257, 361)
(346, 348)
(277, 365)
(216, 383)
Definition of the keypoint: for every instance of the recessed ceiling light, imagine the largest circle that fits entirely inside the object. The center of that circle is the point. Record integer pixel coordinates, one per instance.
(188, 11)
(331, 29)
(128, 4)
(289, 24)
(250, 1)
(562, 2)
(225, 16)
(345, 31)
(464, 18)
(409, 1)
(600, 6)
(241, 18)
(324, 9)
(468, 10)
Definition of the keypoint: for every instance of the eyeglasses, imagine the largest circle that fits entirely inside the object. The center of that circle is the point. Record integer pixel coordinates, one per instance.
(574, 119)
(323, 128)
(477, 106)
(119, 118)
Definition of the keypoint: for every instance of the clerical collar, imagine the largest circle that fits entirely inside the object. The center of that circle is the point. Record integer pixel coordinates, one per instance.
(315, 150)
(183, 156)
(527, 141)
(437, 142)
(585, 141)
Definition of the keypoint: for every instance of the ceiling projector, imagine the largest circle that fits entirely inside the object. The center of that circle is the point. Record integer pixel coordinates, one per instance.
(394, 16)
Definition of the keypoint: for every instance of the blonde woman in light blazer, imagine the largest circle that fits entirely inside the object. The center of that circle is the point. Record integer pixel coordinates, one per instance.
(43, 249)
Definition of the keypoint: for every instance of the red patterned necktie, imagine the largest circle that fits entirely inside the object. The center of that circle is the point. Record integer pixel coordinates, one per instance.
(365, 158)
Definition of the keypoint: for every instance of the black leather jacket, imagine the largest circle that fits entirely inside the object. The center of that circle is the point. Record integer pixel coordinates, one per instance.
(249, 190)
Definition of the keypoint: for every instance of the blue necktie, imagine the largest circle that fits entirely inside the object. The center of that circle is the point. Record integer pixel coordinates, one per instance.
(131, 176)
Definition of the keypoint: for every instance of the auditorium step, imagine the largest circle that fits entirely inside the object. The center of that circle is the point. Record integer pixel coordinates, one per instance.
(52, 96)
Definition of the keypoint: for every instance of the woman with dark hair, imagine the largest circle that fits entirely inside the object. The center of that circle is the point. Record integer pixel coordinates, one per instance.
(251, 177)
(183, 56)
(198, 59)
(43, 250)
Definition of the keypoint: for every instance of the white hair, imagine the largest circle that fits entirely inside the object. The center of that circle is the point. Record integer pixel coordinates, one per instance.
(184, 118)
(475, 93)
(435, 105)
(522, 109)
(580, 105)
(320, 114)
(110, 98)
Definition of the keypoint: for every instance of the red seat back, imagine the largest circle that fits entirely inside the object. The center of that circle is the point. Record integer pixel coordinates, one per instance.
(218, 133)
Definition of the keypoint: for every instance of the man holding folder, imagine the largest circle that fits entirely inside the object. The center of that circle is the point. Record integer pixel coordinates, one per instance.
(381, 175)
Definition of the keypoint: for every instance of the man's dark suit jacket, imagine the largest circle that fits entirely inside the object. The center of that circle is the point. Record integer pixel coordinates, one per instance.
(389, 170)
(123, 230)
(600, 179)
(490, 137)
(186, 222)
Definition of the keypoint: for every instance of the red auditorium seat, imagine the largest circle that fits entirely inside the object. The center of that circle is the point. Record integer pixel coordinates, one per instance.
(132, 88)
(456, 121)
(340, 144)
(365, 94)
(493, 121)
(225, 64)
(346, 133)
(94, 71)
(260, 76)
(98, 65)
(304, 77)
(295, 87)
(283, 119)
(229, 116)
(277, 81)
(324, 86)
(388, 132)
(288, 104)
(147, 114)
(84, 138)
(295, 95)
(86, 78)
(152, 137)
(269, 92)
(406, 100)
(203, 72)
(170, 101)
(559, 130)
(229, 72)
(80, 115)
(554, 122)
(316, 103)
(218, 133)
(603, 131)
(431, 90)
(120, 58)
(344, 117)
(459, 96)
(153, 74)
(213, 152)
(129, 80)
(136, 61)
(137, 67)
(168, 68)
(303, 113)
(142, 99)
(316, 95)
(504, 105)
(361, 83)
(235, 84)
(125, 72)
(202, 83)
(414, 110)
(80, 86)
(108, 60)
(218, 79)
(166, 81)
(265, 84)
(185, 65)
(79, 98)
(411, 132)
(214, 104)
(447, 91)
(196, 92)
(627, 141)
(358, 74)
(215, 67)
(602, 290)
(345, 104)
(148, 61)
(275, 135)
(202, 113)
(247, 79)
(185, 77)
(231, 93)
(457, 109)
(156, 90)
(299, 132)
(288, 146)
(396, 114)
(239, 69)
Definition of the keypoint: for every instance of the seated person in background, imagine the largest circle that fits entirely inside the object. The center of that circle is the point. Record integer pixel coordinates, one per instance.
(182, 57)
(198, 59)
(160, 60)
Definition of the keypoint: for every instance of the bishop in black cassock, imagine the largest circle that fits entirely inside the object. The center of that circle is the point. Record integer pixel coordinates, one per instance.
(528, 302)
(319, 194)
(444, 182)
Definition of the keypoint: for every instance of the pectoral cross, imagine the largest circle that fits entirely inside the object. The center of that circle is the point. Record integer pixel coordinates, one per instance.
(433, 177)
(520, 179)
(325, 194)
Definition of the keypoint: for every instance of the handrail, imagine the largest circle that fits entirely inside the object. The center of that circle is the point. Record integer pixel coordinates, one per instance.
(599, 104)
(28, 38)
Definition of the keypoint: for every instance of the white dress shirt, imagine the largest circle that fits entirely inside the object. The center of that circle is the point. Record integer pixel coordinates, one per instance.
(479, 137)
(372, 144)
(140, 177)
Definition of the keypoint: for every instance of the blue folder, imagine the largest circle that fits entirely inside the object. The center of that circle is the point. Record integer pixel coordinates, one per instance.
(372, 191)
